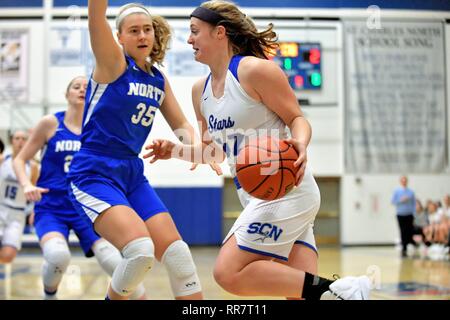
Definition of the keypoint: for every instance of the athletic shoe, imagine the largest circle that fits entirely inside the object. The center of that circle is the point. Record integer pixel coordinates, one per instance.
(349, 288)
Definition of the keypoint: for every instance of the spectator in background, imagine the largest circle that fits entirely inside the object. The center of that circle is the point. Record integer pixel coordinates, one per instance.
(446, 219)
(420, 223)
(420, 220)
(434, 233)
(405, 203)
(434, 218)
(442, 223)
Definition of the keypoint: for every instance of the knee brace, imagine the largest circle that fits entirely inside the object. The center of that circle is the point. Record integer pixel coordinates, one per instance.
(107, 255)
(138, 293)
(181, 269)
(56, 260)
(109, 258)
(138, 258)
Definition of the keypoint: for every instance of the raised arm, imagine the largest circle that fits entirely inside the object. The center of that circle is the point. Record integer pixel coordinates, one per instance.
(109, 56)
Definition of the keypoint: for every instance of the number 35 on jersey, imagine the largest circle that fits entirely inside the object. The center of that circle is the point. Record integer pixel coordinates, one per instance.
(144, 115)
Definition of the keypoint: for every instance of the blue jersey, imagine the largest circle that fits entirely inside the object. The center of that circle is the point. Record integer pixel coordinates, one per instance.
(119, 116)
(117, 120)
(56, 157)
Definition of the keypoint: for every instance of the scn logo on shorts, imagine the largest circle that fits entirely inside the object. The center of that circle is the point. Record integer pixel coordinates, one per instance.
(267, 230)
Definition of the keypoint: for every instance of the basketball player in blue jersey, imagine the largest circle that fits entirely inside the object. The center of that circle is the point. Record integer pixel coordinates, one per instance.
(12, 200)
(270, 250)
(107, 182)
(58, 136)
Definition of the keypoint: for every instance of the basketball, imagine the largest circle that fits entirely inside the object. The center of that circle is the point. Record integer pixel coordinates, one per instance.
(265, 168)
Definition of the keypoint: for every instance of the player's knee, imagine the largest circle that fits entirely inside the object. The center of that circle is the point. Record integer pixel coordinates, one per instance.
(181, 269)
(8, 256)
(225, 278)
(138, 258)
(139, 293)
(56, 252)
(107, 255)
(141, 247)
(140, 252)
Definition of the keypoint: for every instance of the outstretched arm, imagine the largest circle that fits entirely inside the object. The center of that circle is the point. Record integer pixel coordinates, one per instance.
(194, 149)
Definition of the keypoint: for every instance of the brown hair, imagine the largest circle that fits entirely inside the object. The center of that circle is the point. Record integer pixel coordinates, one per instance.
(241, 30)
(163, 34)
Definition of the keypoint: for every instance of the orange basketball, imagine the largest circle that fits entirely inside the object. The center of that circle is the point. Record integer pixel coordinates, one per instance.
(265, 168)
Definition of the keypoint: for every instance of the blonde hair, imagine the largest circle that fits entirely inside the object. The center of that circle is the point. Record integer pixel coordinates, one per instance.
(71, 82)
(163, 33)
(241, 30)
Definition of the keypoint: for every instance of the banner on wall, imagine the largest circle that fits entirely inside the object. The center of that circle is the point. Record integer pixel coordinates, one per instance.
(70, 47)
(180, 57)
(395, 112)
(14, 65)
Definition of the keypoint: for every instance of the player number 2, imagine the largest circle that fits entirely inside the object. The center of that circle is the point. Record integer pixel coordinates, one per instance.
(145, 115)
(67, 161)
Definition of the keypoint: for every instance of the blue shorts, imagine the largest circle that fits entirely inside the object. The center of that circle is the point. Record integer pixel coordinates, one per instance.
(51, 221)
(98, 182)
(55, 200)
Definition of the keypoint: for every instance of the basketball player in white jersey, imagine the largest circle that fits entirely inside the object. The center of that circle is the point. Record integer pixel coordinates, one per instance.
(12, 200)
(270, 250)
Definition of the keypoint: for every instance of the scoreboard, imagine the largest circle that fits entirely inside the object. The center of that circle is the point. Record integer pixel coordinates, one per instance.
(301, 62)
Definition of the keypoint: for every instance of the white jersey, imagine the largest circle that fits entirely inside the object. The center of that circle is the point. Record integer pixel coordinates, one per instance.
(269, 228)
(236, 115)
(446, 212)
(11, 193)
(436, 218)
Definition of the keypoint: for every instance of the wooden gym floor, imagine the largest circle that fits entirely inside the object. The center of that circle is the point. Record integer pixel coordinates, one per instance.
(396, 278)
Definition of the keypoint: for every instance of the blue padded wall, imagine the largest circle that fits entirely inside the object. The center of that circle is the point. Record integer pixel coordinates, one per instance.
(196, 211)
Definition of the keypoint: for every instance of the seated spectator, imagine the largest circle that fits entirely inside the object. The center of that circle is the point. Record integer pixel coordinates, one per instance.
(434, 235)
(444, 225)
(420, 222)
(434, 218)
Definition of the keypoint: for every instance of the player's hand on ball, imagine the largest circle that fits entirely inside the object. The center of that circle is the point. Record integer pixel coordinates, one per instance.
(301, 160)
(160, 149)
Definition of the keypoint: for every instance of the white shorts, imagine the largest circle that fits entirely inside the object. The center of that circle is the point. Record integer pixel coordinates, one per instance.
(12, 223)
(271, 228)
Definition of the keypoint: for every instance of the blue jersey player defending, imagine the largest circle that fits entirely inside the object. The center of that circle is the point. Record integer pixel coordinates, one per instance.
(107, 182)
(58, 135)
